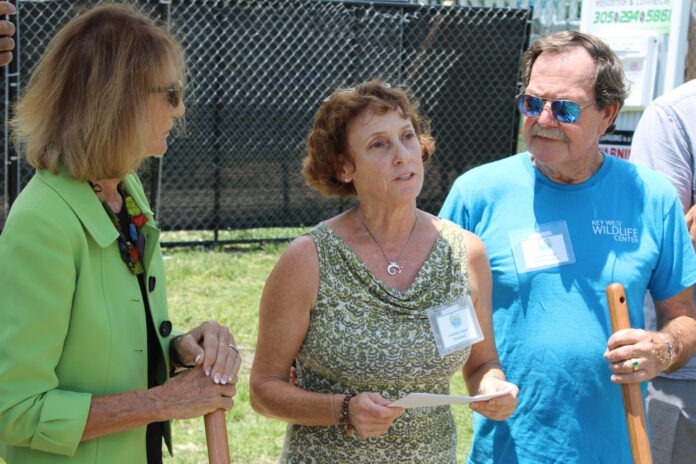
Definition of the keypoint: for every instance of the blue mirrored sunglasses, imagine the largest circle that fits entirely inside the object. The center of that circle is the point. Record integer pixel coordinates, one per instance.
(564, 111)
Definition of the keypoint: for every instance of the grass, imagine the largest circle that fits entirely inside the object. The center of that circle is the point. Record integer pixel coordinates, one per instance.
(226, 284)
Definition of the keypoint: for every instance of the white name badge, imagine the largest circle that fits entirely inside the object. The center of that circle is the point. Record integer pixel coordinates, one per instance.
(547, 245)
(454, 325)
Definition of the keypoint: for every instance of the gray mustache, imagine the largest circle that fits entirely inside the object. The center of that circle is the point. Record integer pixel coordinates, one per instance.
(555, 134)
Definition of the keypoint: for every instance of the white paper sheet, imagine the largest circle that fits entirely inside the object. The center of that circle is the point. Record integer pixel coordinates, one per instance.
(425, 400)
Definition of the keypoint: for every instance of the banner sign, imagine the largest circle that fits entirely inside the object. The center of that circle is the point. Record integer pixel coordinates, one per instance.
(607, 17)
(618, 144)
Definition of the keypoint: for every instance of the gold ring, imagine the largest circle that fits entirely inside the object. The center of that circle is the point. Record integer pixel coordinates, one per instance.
(634, 363)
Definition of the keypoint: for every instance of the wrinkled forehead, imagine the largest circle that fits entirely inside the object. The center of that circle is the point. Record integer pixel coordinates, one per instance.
(562, 74)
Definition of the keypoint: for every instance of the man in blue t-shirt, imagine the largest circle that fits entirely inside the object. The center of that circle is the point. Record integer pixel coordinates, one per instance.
(560, 223)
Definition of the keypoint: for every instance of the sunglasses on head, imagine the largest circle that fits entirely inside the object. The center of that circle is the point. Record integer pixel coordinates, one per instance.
(174, 93)
(564, 111)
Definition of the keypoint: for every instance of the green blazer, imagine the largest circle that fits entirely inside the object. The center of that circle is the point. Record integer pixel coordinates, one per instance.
(72, 323)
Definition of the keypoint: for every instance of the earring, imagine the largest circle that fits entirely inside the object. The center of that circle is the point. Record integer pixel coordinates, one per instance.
(346, 180)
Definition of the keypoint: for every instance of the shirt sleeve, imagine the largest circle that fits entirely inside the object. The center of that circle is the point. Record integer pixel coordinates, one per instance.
(661, 142)
(37, 282)
(676, 266)
(454, 208)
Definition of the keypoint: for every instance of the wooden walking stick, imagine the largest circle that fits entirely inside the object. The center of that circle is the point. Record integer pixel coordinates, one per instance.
(632, 396)
(216, 437)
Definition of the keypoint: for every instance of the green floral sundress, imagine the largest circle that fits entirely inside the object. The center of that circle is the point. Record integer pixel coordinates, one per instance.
(366, 336)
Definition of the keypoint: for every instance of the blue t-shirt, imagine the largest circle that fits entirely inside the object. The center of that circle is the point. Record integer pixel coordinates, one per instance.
(553, 249)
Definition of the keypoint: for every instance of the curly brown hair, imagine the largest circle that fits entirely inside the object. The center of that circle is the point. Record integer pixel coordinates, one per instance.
(327, 141)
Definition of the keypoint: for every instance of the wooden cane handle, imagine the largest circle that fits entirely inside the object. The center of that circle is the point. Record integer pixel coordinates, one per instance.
(632, 396)
(216, 437)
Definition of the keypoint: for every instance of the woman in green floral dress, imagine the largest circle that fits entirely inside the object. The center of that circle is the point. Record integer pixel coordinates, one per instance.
(358, 303)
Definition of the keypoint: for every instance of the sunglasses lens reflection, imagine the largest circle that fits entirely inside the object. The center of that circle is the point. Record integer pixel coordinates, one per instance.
(530, 106)
(566, 111)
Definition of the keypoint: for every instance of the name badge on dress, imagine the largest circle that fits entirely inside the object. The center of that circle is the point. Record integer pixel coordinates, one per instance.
(454, 325)
(547, 245)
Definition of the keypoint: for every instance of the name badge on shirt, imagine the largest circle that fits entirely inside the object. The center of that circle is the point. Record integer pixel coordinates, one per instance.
(547, 245)
(454, 325)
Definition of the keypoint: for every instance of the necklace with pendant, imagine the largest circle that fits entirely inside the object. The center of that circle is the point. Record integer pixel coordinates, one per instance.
(393, 266)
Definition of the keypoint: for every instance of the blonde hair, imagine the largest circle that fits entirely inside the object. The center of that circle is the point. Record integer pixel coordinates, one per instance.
(327, 141)
(85, 106)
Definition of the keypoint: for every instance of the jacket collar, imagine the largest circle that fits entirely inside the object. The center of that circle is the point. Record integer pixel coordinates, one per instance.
(87, 207)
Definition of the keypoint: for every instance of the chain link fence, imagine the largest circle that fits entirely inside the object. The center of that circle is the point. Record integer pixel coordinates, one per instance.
(260, 69)
(556, 15)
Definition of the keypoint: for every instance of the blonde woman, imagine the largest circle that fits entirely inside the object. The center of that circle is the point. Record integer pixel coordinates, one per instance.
(87, 345)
